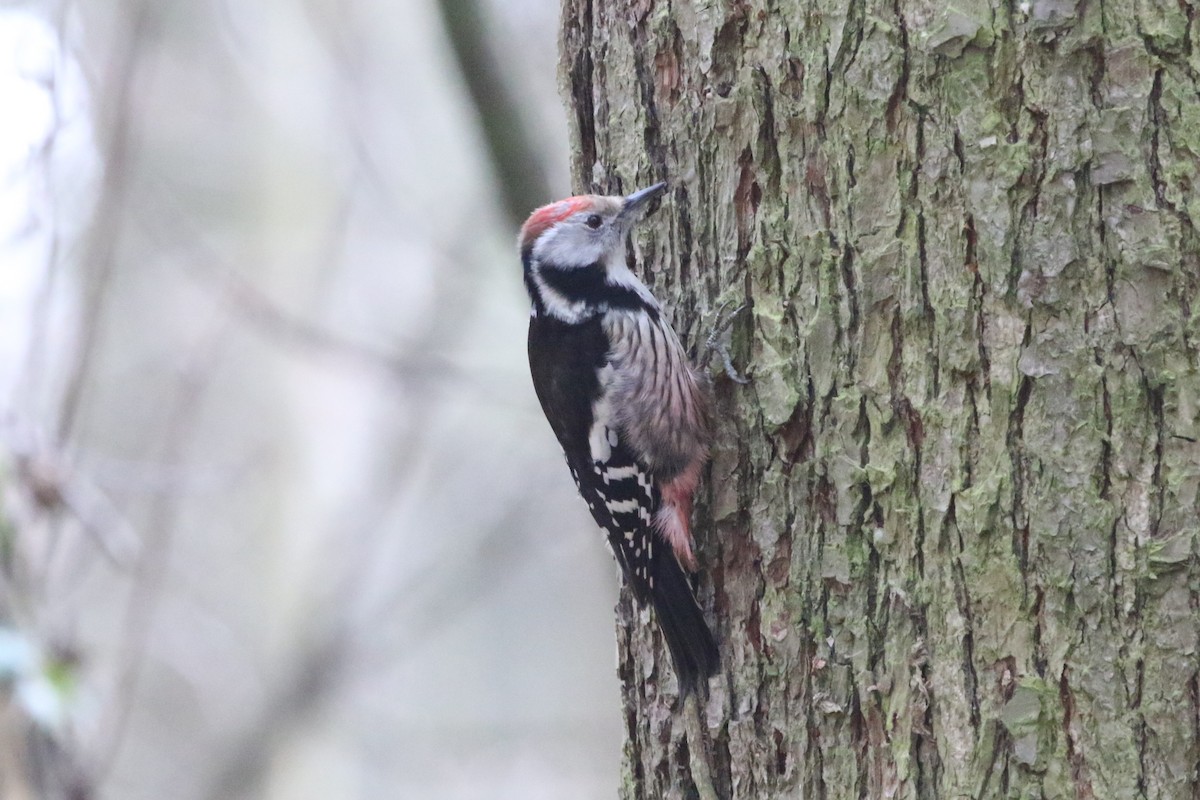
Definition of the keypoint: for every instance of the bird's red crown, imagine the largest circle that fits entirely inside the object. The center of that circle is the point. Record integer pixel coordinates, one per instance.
(548, 215)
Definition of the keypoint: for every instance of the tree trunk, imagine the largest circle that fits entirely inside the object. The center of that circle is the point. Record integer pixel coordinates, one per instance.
(949, 538)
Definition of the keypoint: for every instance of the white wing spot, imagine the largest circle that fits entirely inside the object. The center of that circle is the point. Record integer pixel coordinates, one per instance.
(598, 443)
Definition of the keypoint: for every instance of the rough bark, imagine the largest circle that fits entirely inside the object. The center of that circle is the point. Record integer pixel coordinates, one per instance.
(949, 538)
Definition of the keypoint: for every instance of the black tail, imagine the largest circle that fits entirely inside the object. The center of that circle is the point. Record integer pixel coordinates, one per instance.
(692, 646)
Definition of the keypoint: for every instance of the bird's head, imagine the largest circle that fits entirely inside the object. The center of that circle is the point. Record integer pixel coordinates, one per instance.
(584, 231)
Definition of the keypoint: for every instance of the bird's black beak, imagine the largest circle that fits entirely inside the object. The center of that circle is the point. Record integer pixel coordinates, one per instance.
(636, 204)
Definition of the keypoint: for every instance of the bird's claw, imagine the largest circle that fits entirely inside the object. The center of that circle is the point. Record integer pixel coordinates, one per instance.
(716, 344)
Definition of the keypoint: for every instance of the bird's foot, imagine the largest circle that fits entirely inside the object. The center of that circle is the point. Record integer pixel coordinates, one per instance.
(718, 341)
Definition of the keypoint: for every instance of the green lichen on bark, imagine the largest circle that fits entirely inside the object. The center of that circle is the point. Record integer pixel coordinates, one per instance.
(950, 536)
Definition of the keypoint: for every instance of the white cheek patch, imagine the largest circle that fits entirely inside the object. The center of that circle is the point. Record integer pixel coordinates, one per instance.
(567, 246)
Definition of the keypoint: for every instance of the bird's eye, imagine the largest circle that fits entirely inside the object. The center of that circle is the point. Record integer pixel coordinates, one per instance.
(594, 222)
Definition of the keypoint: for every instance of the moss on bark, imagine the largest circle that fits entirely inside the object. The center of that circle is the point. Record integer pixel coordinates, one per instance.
(950, 539)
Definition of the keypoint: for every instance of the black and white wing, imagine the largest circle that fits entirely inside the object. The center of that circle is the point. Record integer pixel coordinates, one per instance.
(568, 363)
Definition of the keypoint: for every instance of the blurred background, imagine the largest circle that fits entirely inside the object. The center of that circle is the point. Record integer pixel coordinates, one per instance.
(280, 517)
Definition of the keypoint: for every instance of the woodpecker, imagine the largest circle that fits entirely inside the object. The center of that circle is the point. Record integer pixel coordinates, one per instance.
(630, 411)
